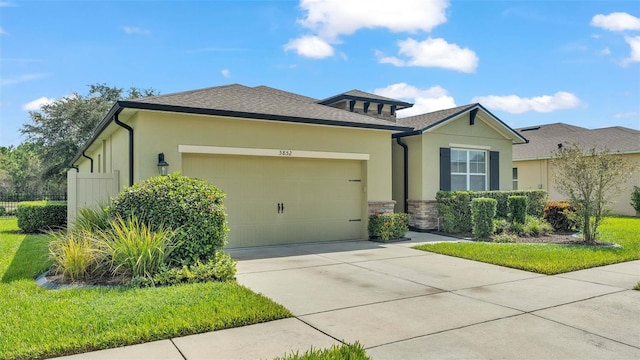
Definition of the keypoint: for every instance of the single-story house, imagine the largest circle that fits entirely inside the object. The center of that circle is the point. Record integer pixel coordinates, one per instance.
(297, 169)
(532, 166)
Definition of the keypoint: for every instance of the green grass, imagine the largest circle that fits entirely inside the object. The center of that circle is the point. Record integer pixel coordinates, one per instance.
(38, 323)
(347, 351)
(553, 259)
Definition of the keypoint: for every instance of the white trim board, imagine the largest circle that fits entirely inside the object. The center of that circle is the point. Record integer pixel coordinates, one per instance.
(221, 150)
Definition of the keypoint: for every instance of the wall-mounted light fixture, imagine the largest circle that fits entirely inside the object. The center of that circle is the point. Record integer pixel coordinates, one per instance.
(163, 166)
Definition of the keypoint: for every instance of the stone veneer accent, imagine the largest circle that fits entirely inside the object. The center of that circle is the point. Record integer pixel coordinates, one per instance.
(378, 207)
(423, 214)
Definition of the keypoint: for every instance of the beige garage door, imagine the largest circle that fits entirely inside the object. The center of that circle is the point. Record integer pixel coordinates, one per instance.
(284, 200)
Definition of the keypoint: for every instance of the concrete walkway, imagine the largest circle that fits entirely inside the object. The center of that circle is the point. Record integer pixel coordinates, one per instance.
(402, 303)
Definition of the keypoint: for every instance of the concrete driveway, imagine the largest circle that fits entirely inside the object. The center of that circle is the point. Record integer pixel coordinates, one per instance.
(402, 303)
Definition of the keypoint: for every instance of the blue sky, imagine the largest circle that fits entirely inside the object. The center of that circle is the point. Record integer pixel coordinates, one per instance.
(529, 62)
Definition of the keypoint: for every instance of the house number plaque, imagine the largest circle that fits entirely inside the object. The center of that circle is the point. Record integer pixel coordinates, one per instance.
(285, 153)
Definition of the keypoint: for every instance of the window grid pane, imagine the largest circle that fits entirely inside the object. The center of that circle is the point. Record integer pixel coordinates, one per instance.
(468, 170)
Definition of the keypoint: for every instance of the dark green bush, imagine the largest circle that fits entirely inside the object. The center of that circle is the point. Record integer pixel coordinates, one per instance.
(560, 215)
(454, 207)
(39, 216)
(192, 208)
(483, 210)
(3, 211)
(517, 208)
(635, 198)
(388, 226)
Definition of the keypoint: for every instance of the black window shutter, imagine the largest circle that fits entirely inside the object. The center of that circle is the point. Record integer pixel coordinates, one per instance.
(494, 170)
(445, 169)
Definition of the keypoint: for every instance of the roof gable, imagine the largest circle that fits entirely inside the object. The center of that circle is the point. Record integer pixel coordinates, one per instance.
(430, 121)
(365, 96)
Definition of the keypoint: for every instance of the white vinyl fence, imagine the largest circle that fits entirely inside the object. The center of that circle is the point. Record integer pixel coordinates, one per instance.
(88, 190)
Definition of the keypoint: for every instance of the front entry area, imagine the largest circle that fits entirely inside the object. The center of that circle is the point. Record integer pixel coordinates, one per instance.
(283, 200)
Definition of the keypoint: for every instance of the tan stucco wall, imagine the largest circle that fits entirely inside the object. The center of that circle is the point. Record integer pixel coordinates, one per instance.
(181, 129)
(415, 175)
(460, 133)
(531, 173)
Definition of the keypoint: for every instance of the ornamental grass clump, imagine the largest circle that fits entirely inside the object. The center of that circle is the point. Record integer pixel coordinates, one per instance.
(134, 249)
(77, 255)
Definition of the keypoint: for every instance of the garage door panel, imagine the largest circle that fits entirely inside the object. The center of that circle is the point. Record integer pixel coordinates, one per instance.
(319, 198)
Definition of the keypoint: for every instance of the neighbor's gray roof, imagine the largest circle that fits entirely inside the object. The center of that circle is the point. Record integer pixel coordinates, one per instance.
(260, 102)
(544, 139)
(361, 95)
(425, 121)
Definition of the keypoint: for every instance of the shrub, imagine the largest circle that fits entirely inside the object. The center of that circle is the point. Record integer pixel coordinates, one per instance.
(77, 255)
(40, 216)
(388, 226)
(454, 207)
(219, 268)
(560, 215)
(505, 238)
(134, 249)
(517, 208)
(635, 198)
(3, 211)
(500, 225)
(192, 208)
(483, 210)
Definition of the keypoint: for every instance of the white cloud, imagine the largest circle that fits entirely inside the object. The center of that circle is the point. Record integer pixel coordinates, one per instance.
(2, 32)
(626, 115)
(634, 43)
(605, 51)
(310, 46)
(21, 79)
(617, 21)
(425, 100)
(331, 18)
(434, 53)
(135, 30)
(226, 73)
(516, 105)
(37, 104)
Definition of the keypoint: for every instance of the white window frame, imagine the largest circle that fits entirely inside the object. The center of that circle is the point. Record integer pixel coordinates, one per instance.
(468, 173)
(514, 178)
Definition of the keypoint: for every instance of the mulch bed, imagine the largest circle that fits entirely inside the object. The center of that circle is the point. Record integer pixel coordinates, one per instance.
(560, 238)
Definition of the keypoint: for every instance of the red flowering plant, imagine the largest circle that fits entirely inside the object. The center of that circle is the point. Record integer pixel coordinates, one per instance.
(388, 226)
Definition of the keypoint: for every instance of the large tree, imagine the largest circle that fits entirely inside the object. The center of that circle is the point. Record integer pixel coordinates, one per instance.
(590, 178)
(60, 128)
(20, 170)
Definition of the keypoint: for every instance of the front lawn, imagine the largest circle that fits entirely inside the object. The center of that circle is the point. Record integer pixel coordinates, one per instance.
(38, 323)
(553, 259)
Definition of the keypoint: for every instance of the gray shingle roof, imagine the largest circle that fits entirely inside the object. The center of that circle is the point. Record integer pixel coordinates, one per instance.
(260, 102)
(424, 121)
(544, 139)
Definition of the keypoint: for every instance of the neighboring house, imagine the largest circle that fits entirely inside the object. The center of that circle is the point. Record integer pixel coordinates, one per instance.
(532, 166)
(296, 169)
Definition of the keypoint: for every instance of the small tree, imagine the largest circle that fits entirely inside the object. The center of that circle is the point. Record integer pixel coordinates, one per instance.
(635, 199)
(590, 179)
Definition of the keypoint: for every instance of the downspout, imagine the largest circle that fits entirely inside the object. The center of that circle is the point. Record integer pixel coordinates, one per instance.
(90, 159)
(405, 173)
(130, 130)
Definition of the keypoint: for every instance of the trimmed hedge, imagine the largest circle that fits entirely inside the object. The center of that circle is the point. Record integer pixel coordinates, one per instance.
(39, 216)
(518, 208)
(483, 210)
(192, 208)
(454, 207)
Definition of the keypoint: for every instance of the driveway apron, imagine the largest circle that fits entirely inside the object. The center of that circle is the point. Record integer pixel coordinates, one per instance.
(402, 303)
